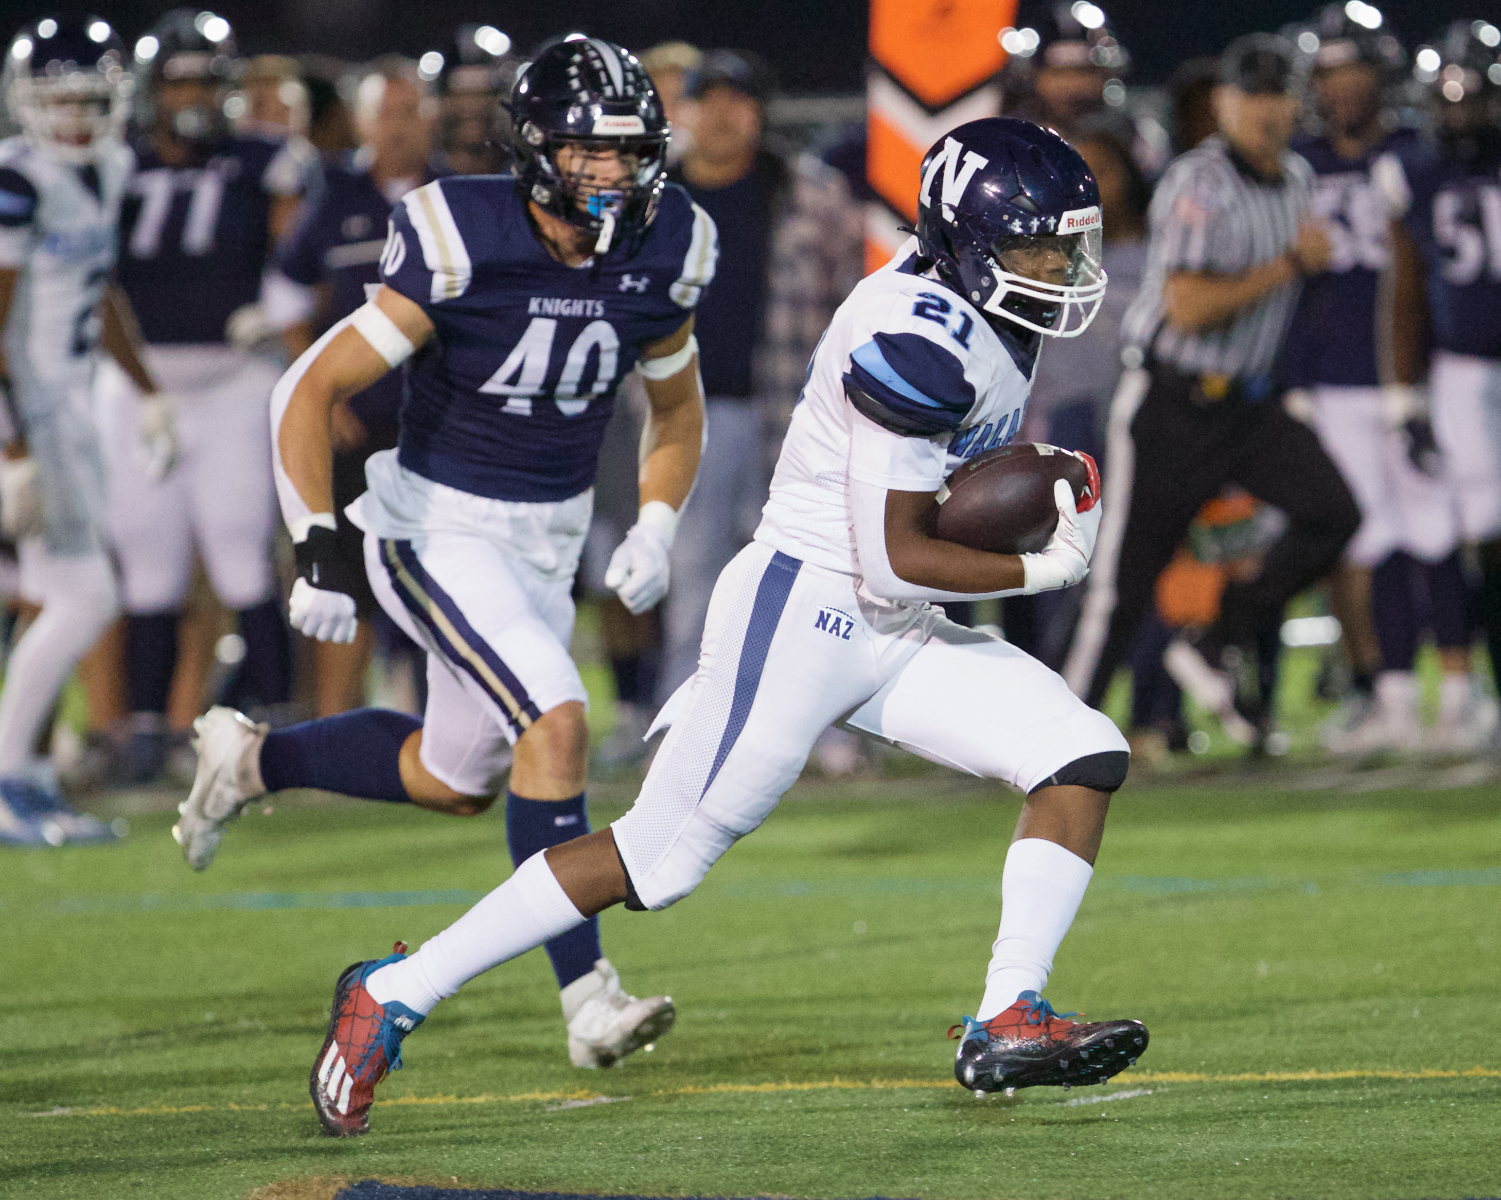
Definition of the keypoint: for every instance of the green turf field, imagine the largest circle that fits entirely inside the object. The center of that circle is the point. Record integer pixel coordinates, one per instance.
(1319, 971)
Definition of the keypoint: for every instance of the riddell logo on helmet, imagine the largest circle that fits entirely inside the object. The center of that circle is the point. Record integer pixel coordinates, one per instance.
(618, 125)
(1079, 220)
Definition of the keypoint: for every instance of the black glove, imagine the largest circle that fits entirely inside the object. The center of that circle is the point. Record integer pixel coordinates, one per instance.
(1422, 446)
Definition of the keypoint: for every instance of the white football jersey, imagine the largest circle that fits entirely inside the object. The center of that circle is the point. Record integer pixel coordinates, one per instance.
(925, 360)
(60, 235)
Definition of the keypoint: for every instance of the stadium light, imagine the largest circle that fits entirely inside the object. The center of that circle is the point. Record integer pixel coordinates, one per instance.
(1091, 16)
(22, 48)
(146, 48)
(212, 26)
(99, 31)
(1488, 34)
(491, 40)
(46, 27)
(1308, 42)
(430, 65)
(1363, 14)
(1021, 42)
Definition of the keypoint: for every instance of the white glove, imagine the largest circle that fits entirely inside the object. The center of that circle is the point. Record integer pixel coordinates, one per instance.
(157, 450)
(321, 614)
(1065, 559)
(639, 568)
(20, 499)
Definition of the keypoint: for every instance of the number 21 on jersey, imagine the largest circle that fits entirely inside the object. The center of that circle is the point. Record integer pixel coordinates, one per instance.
(523, 375)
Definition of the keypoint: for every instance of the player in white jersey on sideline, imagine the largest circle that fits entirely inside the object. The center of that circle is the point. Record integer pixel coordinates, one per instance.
(61, 183)
(827, 616)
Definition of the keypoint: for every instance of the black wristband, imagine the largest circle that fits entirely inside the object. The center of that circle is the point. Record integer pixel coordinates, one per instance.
(322, 562)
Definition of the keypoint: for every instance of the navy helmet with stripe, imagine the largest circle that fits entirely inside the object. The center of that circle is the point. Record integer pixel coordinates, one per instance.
(1010, 216)
(591, 94)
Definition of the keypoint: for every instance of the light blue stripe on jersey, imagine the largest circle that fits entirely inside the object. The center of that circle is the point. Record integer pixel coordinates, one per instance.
(870, 358)
(766, 613)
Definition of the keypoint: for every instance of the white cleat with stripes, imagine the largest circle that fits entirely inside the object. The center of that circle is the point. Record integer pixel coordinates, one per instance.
(605, 1023)
(228, 778)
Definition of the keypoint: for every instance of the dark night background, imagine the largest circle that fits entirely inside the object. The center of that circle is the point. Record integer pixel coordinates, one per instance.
(816, 45)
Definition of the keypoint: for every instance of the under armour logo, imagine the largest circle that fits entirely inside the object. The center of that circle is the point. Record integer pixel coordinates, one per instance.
(629, 284)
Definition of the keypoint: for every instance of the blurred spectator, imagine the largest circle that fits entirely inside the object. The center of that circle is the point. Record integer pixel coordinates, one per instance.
(331, 260)
(330, 126)
(1065, 66)
(790, 249)
(272, 99)
(473, 131)
(1229, 242)
(670, 64)
(1190, 91)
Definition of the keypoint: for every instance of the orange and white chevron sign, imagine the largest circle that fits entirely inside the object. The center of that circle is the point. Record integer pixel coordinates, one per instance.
(934, 65)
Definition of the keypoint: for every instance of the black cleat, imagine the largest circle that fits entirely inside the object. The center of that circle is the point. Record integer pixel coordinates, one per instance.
(1029, 1045)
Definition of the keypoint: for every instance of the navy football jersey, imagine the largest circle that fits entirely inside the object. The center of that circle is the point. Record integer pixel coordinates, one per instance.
(194, 240)
(338, 240)
(1332, 336)
(1456, 220)
(511, 397)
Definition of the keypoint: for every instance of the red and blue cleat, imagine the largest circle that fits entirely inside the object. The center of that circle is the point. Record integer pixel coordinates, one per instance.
(1030, 1045)
(362, 1047)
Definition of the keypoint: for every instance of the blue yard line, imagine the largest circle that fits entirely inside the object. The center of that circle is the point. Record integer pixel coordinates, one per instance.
(787, 889)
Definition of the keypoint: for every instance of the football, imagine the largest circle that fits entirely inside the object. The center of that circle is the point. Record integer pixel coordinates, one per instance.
(1002, 500)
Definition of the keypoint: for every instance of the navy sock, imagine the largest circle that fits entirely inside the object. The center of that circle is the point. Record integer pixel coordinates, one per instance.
(355, 754)
(533, 825)
(150, 659)
(265, 675)
(1394, 612)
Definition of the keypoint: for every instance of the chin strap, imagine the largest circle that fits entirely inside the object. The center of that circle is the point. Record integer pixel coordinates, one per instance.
(606, 233)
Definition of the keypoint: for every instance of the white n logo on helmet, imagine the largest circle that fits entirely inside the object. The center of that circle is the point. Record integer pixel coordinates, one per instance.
(956, 177)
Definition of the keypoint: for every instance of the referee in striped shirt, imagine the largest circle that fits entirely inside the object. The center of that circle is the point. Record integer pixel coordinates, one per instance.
(1229, 243)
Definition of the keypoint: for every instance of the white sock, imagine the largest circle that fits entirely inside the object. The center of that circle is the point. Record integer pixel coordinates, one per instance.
(1041, 887)
(528, 909)
(79, 602)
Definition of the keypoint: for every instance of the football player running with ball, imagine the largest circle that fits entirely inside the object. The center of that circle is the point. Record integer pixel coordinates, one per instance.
(828, 615)
(521, 304)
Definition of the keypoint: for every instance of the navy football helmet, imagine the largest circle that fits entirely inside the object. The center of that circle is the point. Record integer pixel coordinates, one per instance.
(1010, 216)
(1334, 37)
(67, 86)
(591, 94)
(187, 44)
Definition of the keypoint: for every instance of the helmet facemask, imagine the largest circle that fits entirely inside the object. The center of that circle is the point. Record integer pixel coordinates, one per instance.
(576, 180)
(71, 116)
(1052, 283)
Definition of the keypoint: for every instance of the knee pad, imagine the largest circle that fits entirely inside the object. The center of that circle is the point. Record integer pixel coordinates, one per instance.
(1103, 772)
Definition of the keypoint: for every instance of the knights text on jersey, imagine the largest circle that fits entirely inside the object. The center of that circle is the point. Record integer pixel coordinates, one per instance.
(1455, 219)
(1332, 338)
(58, 226)
(936, 385)
(511, 397)
(194, 240)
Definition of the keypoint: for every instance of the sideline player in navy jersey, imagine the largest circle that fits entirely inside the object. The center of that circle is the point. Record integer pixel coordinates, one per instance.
(203, 213)
(1343, 369)
(826, 616)
(331, 261)
(1453, 207)
(522, 303)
